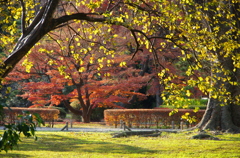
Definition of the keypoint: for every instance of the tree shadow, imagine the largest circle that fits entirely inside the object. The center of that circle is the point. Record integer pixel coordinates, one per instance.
(58, 143)
(11, 155)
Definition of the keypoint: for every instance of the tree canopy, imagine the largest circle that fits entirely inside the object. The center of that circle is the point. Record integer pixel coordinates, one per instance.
(205, 32)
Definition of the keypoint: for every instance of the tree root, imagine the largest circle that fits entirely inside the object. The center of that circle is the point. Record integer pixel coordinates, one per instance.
(205, 136)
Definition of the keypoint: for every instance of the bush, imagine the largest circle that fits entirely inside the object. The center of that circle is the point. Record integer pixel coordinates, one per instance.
(148, 117)
(97, 114)
(189, 104)
(48, 115)
(76, 105)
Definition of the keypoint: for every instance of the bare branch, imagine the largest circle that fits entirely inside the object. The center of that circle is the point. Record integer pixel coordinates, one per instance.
(78, 16)
(138, 45)
(23, 18)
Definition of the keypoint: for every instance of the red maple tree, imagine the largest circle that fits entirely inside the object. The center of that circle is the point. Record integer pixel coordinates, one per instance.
(99, 81)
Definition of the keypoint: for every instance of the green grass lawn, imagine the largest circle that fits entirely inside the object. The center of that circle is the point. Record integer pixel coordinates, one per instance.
(102, 145)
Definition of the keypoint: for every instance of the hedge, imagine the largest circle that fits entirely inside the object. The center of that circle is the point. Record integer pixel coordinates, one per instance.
(48, 115)
(145, 118)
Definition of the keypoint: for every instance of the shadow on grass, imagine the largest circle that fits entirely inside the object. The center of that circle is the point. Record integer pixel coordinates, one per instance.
(58, 143)
(10, 155)
(231, 139)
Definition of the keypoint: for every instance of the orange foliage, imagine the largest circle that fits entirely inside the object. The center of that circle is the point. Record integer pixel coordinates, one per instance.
(46, 114)
(147, 117)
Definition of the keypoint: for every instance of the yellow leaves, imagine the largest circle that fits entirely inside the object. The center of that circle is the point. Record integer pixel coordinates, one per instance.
(190, 119)
(115, 35)
(188, 93)
(191, 82)
(5, 40)
(234, 83)
(200, 78)
(189, 72)
(81, 62)
(216, 29)
(67, 77)
(173, 112)
(8, 90)
(76, 56)
(61, 69)
(186, 1)
(147, 43)
(188, 56)
(122, 64)
(107, 74)
(162, 73)
(100, 60)
(42, 50)
(205, 8)
(82, 69)
(230, 16)
(109, 61)
(196, 109)
(102, 47)
(183, 52)
(51, 62)
(214, 96)
(28, 65)
(91, 61)
(198, 13)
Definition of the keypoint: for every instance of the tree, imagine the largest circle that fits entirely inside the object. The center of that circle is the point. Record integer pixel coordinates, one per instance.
(208, 35)
(206, 32)
(93, 79)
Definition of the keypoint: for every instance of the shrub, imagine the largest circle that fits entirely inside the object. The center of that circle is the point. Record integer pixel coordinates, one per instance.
(48, 115)
(76, 105)
(148, 117)
(189, 104)
(97, 114)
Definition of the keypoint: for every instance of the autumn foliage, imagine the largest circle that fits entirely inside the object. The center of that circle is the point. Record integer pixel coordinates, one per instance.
(149, 117)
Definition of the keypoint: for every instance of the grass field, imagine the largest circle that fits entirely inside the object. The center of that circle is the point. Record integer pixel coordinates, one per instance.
(102, 145)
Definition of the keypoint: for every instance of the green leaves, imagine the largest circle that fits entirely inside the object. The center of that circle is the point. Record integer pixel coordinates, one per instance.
(12, 133)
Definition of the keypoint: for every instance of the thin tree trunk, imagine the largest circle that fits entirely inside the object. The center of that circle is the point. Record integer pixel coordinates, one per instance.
(159, 100)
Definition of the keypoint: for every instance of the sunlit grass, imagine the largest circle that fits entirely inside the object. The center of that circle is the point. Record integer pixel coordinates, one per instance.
(102, 145)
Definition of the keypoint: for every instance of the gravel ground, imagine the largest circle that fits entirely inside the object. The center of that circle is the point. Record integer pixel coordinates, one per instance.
(95, 129)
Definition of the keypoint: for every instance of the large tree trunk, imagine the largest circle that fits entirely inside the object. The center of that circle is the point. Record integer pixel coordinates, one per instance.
(86, 115)
(225, 118)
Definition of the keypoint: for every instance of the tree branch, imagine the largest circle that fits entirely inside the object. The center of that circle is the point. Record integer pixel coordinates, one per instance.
(77, 16)
(69, 107)
(37, 29)
(23, 18)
